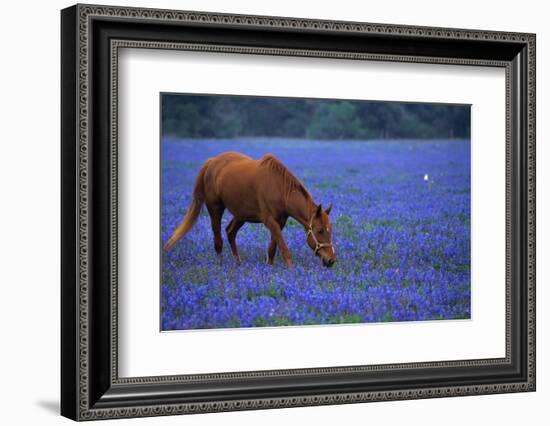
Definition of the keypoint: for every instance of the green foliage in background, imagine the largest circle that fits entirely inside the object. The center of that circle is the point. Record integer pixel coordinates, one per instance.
(220, 116)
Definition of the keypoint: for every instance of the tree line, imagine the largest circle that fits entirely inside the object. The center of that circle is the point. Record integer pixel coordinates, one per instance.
(223, 116)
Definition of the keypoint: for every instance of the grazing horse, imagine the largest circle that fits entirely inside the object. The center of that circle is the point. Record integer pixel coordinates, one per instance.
(257, 191)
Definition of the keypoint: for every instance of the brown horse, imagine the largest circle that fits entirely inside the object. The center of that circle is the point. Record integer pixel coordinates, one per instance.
(257, 191)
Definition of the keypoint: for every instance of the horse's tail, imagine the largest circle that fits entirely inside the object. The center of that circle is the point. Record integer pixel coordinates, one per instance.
(193, 213)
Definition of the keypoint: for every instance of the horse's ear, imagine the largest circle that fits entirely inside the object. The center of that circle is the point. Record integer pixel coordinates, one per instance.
(319, 210)
(328, 209)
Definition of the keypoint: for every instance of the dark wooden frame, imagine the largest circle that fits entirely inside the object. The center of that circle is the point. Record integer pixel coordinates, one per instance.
(90, 386)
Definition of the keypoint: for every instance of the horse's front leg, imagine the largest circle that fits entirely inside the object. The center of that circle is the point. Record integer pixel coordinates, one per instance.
(272, 249)
(277, 236)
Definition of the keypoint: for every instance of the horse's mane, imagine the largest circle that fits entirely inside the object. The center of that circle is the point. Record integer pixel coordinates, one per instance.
(290, 182)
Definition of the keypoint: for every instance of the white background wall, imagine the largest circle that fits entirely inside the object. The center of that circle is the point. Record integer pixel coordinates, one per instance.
(29, 211)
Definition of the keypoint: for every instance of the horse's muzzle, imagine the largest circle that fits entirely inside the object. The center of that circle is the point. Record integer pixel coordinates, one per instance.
(328, 262)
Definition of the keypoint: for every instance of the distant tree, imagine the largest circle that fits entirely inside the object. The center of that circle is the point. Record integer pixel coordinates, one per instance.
(220, 116)
(226, 119)
(382, 119)
(335, 120)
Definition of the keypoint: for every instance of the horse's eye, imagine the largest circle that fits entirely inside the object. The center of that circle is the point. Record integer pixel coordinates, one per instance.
(320, 231)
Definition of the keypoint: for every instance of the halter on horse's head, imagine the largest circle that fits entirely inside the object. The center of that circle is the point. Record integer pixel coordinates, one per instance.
(319, 236)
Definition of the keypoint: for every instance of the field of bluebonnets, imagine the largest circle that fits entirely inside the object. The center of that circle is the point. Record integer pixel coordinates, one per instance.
(401, 228)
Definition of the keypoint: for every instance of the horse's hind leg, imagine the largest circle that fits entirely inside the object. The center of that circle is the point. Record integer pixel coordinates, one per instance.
(231, 231)
(272, 249)
(216, 213)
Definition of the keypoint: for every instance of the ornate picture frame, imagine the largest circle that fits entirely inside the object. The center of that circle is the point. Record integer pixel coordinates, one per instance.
(91, 37)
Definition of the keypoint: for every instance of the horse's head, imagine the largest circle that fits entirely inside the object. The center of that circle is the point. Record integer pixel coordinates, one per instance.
(319, 236)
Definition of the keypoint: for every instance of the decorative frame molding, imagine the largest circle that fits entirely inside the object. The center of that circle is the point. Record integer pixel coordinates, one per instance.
(91, 388)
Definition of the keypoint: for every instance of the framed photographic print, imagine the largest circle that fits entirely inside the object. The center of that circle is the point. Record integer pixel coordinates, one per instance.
(263, 212)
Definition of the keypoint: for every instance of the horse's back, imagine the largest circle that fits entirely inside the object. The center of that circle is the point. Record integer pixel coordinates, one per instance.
(241, 171)
(246, 186)
(231, 178)
(231, 157)
(219, 164)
